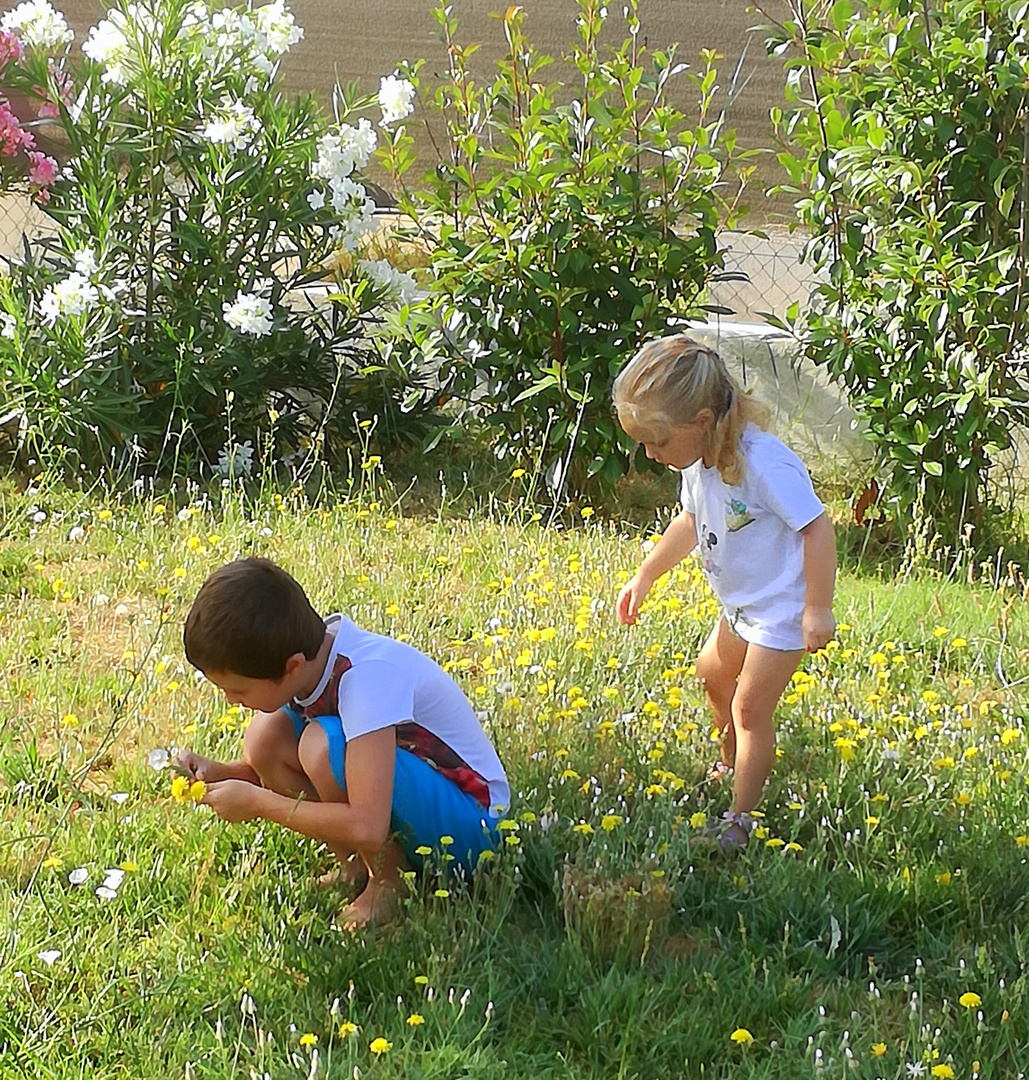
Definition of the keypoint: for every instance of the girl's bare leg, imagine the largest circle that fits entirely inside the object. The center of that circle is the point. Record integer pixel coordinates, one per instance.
(718, 666)
(764, 676)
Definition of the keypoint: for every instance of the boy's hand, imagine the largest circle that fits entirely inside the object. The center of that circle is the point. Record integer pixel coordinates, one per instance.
(186, 763)
(234, 800)
(818, 626)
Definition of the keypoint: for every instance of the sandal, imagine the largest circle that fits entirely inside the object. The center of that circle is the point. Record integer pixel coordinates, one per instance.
(718, 771)
(730, 832)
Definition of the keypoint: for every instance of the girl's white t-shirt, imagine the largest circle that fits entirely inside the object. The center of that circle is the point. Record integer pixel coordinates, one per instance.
(390, 683)
(748, 538)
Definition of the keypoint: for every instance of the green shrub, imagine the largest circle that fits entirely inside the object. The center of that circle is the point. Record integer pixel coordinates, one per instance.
(195, 207)
(567, 225)
(907, 149)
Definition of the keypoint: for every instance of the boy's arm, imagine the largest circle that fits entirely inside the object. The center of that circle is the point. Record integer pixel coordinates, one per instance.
(360, 824)
(820, 582)
(676, 542)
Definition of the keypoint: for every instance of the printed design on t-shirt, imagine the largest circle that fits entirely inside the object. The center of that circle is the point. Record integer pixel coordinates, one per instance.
(708, 543)
(737, 516)
(435, 752)
(327, 702)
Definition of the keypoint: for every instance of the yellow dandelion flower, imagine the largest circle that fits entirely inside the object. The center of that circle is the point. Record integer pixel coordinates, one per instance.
(741, 1036)
(180, 789)
(944, 878)
(70, 720)
(610, 822)
(423, 850)
(970, 1000)
(347, 1028)
(52, 862)
(943, 1071)
(584, 827)
(197, 790)
(698, 820)
(416, 1020)
(421, 980)
(380, 1046)
(442, 894)
(517, 474)
(878, 1049)
(309, 1039)
(446, 841)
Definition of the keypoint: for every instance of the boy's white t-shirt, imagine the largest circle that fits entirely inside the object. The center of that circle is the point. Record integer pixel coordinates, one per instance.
(748, 537)
(390, 683)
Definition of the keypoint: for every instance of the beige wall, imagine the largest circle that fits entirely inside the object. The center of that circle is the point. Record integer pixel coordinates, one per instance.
(364, 39)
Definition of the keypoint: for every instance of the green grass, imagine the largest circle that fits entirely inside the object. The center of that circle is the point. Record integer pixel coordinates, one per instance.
(889, 879)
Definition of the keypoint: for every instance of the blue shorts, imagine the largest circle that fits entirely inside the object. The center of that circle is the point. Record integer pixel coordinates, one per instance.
(426, 805)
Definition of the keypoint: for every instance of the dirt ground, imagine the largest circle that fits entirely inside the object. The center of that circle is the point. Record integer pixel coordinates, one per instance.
(364, 39)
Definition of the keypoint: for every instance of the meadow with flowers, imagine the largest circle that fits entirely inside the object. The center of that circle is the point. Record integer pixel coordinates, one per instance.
(207, 331)
(874, 927)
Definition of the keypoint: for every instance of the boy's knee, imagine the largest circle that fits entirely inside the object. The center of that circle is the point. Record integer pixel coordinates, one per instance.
(264, 741)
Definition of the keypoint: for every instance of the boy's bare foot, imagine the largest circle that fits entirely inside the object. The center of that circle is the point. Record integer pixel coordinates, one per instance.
(349, 873)
(378, 904)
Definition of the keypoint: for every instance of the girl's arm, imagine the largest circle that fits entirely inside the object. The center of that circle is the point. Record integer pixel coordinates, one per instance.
(820, 581)
(677, 541)
(362, 823)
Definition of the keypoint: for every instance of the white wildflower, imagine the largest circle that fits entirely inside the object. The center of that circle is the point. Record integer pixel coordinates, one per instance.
(158, 759)
(48, 956)
(396, 99)
(37, 23)
(73, 296)
(105, 892)
(8, 325)
(397, 288)
(79, 876)
(234, 461)
(249, 314)
(315, 199)
(76, 534)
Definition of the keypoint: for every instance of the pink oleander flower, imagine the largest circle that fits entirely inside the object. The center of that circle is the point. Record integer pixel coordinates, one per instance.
(13, 137)
(49, 109)
(42, 169)
(10, 48)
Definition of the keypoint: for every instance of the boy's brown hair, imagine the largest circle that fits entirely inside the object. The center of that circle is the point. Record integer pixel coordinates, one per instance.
(248, 619)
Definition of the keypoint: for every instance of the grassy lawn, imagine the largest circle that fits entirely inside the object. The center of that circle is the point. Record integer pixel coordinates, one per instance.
(875, 927)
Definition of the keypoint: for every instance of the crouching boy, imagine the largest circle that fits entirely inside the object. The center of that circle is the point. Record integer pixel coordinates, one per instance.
(358, 741)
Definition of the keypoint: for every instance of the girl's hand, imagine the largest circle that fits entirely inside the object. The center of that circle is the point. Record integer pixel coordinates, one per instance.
(630, 598)
(234, 800)
(818, 625)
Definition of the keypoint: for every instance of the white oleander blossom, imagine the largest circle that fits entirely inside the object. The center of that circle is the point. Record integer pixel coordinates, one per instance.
(396, 286)
(109, 47)
(276, 28)
(249, 314)
(396, 99)
(85, 262)
(339, 153)
(235, 460)
(73, 296)
(359, 224)
(234, 124)
(37, 23)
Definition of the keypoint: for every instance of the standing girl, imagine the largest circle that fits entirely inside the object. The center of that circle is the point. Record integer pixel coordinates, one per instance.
(764, 539)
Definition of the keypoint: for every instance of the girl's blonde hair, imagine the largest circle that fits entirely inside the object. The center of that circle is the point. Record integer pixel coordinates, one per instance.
(670, 380)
